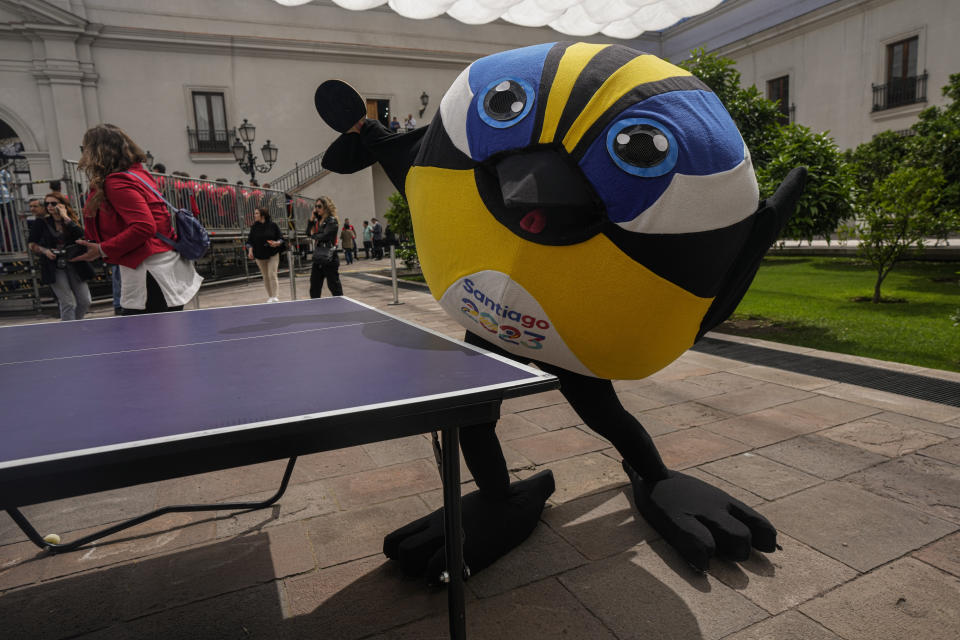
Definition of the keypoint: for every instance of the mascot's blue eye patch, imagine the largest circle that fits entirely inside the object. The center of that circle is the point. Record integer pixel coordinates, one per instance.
(642, 147)
(487, 133)
(505, 102)
(701, 140)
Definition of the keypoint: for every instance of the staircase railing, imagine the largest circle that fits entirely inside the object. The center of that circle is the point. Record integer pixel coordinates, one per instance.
(302, 174)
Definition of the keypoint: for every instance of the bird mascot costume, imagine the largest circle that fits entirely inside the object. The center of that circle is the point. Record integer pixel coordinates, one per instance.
(593, 210)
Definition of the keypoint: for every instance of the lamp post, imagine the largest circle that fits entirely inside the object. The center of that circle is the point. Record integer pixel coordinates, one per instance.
(244, 153)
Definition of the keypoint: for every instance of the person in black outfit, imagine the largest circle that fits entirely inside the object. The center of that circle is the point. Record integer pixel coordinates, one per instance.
(377, 232)
(52, 238)
(323, 229)
(263, 245)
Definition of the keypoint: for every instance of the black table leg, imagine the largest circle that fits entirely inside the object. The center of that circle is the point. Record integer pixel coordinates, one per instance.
(453, 533)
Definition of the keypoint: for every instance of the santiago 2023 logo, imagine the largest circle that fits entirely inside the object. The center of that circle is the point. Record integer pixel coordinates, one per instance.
(493, 317)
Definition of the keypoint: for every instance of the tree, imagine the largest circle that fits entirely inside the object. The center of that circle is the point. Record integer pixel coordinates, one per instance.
(897, 214)
(398, 217)
(826, 200)
(875, 160)
(937, 145)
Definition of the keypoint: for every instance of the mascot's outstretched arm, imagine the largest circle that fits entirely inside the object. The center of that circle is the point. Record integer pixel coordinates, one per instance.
(591, 209)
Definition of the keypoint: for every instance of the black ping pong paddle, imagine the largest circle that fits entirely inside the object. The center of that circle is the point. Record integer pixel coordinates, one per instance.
(339, 105)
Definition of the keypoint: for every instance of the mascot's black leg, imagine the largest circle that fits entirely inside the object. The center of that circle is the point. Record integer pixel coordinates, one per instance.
(697, 519)
(496, 518)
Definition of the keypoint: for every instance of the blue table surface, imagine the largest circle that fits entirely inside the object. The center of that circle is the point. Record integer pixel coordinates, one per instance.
(72, 387)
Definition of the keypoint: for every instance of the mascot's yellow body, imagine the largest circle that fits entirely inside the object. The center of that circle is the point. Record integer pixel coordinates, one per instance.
(593, 209)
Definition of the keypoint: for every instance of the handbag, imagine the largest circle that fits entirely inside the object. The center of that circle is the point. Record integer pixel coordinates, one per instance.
(323, 255)
(192, 241)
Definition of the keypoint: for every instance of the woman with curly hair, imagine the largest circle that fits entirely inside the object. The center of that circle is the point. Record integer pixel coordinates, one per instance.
(323, 228)
(123, 216)
(53, 237)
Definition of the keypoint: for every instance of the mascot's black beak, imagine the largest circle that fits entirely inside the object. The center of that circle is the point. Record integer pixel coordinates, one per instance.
(542, 178)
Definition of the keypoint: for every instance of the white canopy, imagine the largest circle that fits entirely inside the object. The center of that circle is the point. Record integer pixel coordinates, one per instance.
(614, 18)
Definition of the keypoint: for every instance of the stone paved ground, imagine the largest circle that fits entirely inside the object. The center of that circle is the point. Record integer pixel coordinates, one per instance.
(863, 486)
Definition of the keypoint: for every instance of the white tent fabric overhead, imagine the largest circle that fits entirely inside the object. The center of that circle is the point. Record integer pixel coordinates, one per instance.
(614, 18)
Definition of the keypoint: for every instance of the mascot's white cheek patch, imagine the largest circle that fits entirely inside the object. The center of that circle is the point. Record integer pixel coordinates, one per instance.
(491, 305)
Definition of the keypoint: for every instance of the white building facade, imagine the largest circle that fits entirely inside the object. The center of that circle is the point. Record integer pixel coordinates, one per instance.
(181, 75)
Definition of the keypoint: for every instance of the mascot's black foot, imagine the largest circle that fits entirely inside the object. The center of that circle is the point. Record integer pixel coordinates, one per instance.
(491, 529)
(699, 520)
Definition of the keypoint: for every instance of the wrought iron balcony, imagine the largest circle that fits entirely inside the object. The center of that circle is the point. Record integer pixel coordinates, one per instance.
(210, 140)
(899, 92)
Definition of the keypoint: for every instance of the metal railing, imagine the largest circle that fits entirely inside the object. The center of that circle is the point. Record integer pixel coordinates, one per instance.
(302, 174)
(210, 140)
(900, 92)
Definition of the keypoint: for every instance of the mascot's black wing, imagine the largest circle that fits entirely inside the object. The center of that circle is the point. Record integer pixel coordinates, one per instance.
(772, 216)
(342, 107)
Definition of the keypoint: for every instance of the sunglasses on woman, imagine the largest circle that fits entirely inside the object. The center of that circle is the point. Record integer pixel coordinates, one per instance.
(51, 204)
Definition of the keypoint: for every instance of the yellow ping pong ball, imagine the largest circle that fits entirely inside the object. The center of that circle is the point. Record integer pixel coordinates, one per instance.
(52, 538)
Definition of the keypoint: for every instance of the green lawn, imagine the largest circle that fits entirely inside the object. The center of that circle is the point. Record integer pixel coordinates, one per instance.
(810, 302)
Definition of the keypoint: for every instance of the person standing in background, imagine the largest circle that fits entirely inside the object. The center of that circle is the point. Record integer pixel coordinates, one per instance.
(348, 240)
(263, 245)
(323, 229)
(367, 240)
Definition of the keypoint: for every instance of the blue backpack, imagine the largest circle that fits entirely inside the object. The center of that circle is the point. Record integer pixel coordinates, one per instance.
(192, 241)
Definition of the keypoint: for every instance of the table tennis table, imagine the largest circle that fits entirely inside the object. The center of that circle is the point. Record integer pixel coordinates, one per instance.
(114, 402)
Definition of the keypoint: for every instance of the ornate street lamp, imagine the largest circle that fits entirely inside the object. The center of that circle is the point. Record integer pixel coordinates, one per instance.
(424, 100)
(243, 153)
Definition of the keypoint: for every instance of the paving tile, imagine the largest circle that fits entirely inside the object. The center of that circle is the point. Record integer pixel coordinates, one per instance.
(600, 525)
(673, 391)
(553, 417)
(636, 403)
(67, 607)
(251, 613)
(852, 525)
(165, 581)
(541, 555)
(357, 599)
(765, 478)
(540, 610)
(160, 535)
(649, 592)
(943, 554)
(513, 425)
(534, 401)
(217, 486)
(712, 361)
(694, 446)
(384, 484)
(299, 502)
(399, 450)
(556, 445)
(947, 451)
(755, 398)
(685, 414)
(926, 483)
(724, 382)
(791, 625)
(781, 580)
(350, 535)
(654, 425)
(784, 377)
(906, 599)
(327, 464)
(741, 494)
(684, 367)
(21, 563)
(81, 512)
(822, 457)
(888, 434)
(580, 476)
(789, 420)
(434, 499)
(933, 411)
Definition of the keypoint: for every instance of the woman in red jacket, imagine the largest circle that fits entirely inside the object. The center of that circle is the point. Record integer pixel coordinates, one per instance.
(122, 217)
